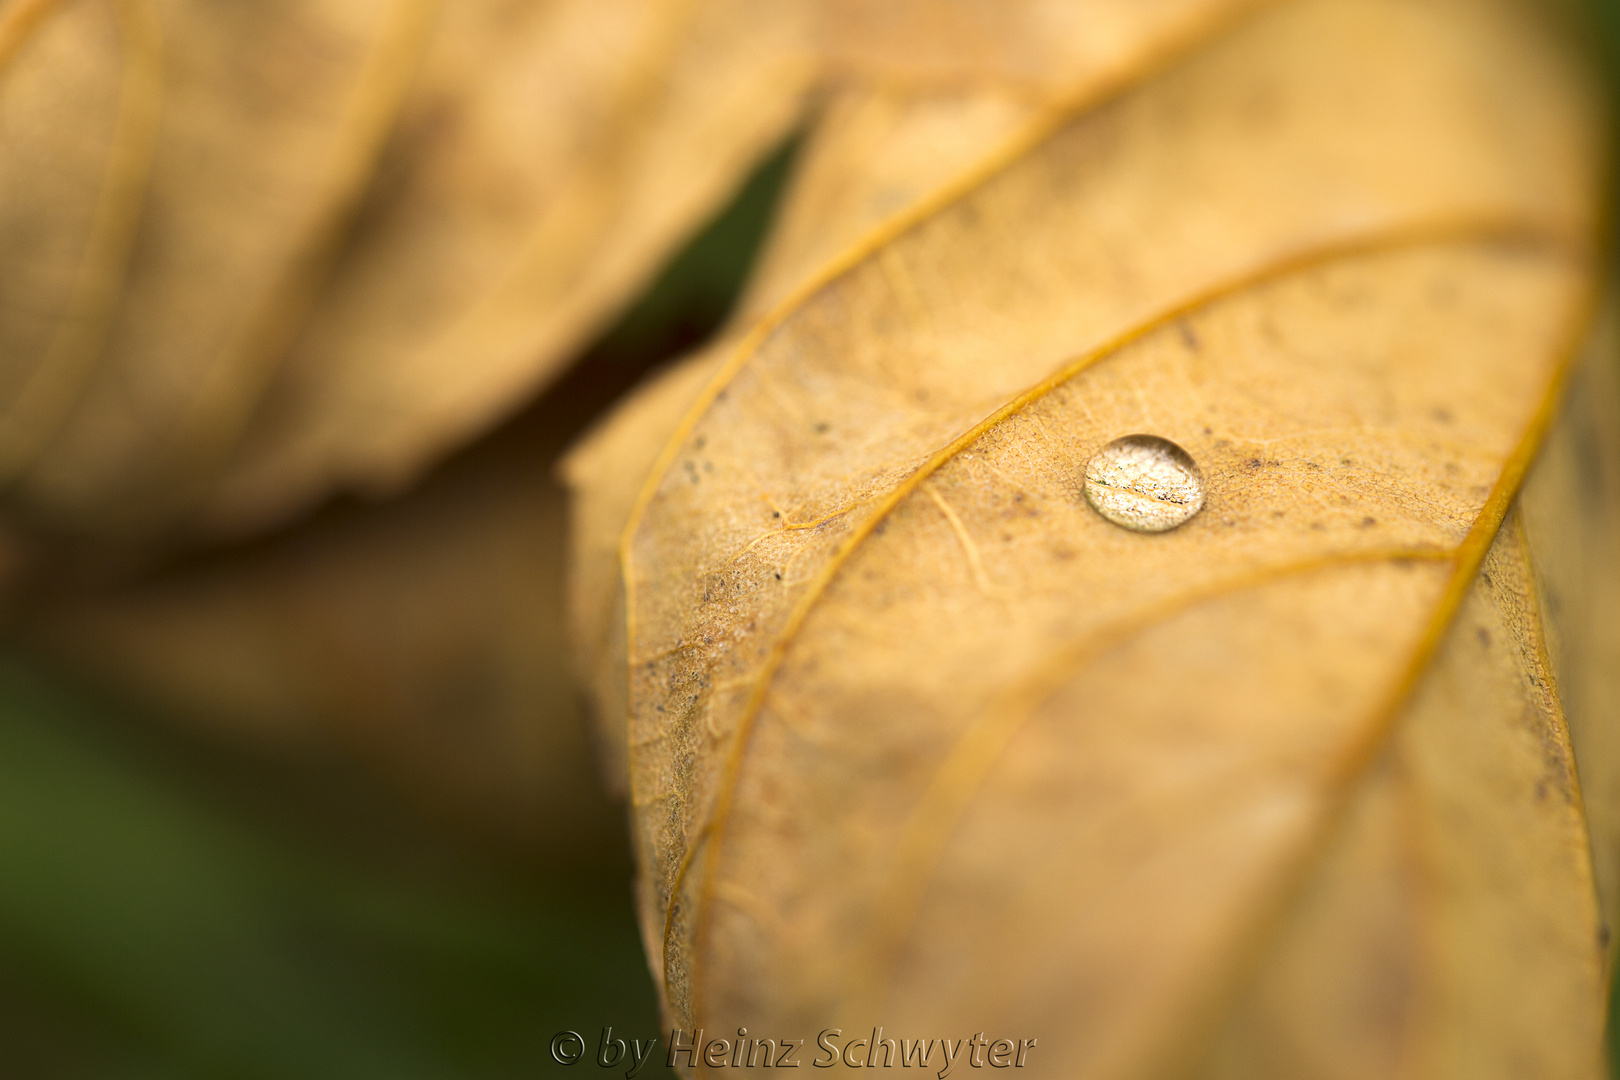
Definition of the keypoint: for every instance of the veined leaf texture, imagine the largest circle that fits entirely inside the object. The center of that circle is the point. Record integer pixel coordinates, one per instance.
(1323, 782)
(915, 738)
(260, 251)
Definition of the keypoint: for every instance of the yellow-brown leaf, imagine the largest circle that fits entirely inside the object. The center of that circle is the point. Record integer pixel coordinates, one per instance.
(260, 252)
(304, 638)
(421, 638)
(916, 738)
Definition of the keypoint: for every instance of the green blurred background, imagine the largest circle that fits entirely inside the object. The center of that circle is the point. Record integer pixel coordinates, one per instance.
(174, 906)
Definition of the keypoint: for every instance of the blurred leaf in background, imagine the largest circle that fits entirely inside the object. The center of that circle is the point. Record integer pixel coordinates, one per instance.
(176, 902)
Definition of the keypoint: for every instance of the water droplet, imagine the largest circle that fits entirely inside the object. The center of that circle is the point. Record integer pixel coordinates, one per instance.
(1144, 483)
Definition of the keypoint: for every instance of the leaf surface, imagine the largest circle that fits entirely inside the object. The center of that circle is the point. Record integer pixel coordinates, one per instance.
(240, 135)
(916, 738)
(578, 144)
(306, 638)
(314, 248)
(307, 247)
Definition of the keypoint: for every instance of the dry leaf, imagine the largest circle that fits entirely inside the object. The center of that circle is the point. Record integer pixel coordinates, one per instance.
(917, 738)
(260, 251)
(321, 243)
(421, 637)
(238, 137)
(921, 92)
(1571, 507)
(569, 190)
(560, 136)
(881, 145)
(296, 249)
(1039, 48)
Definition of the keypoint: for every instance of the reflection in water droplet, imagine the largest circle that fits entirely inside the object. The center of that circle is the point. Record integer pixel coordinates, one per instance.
(1144, 483)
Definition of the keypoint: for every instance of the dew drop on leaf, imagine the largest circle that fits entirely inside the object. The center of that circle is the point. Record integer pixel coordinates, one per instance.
(1144, 483)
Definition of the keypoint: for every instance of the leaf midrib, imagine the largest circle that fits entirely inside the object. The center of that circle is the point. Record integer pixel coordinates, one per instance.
(1456, 228)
